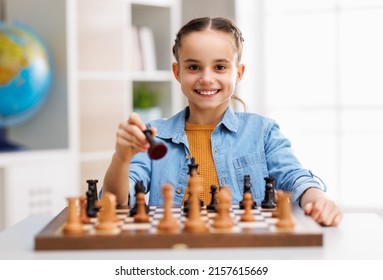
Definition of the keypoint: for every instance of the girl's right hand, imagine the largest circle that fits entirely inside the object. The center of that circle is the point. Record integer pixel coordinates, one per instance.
(130, 138)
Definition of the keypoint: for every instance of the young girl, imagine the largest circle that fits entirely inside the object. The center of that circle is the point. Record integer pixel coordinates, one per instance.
(226, 145)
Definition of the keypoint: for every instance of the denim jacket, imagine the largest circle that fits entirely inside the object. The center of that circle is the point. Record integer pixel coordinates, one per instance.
(242, 144)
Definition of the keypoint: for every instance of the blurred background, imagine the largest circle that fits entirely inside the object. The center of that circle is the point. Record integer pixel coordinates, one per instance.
(315, 66)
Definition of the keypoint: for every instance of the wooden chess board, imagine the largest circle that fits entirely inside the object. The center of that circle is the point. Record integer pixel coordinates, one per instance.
(261, 233)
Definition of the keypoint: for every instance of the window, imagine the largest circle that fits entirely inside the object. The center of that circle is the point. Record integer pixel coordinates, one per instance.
(322, 69)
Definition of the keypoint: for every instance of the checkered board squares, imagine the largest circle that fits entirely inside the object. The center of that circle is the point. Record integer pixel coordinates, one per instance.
(263, 219)
(129, 235)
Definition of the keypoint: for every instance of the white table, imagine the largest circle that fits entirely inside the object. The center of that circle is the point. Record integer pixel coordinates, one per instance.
(359, 237)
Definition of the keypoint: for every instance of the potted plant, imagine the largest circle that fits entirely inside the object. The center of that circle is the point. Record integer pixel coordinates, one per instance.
(145, 103)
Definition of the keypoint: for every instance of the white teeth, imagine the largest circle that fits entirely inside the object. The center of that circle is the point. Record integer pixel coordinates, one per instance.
(209, 92)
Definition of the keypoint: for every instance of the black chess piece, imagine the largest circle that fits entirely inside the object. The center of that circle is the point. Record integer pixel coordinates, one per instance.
(193, 167)
(91, 209)
(269, 200)
(157, 150)
(138, 188)
(213, 202)
(185, 207)
(92, 186)
(92, 198)
(247, 189)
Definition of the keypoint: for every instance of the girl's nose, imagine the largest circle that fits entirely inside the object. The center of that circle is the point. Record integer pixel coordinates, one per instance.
(207, 77)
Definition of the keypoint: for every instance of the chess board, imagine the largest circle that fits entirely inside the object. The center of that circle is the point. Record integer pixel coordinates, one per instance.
(130, 235)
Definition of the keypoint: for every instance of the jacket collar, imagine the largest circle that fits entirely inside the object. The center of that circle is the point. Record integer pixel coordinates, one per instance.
(174, 127)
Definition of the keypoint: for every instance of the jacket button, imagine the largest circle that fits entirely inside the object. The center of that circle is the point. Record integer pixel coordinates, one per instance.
(179, 191)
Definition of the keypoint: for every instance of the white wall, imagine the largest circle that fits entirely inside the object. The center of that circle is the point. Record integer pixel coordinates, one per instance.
(207, 8)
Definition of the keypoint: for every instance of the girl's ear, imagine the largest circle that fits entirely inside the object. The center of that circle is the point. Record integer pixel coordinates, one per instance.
(240, 72)
(176, 71)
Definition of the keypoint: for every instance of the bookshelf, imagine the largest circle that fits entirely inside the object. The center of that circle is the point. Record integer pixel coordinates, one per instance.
(109, 46)
(72, 138)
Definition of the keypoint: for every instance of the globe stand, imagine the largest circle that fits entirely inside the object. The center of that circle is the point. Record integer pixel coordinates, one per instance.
(5, 145)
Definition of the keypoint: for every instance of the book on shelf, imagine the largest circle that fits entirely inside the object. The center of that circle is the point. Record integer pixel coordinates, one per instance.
(136, 62)
(143, 47)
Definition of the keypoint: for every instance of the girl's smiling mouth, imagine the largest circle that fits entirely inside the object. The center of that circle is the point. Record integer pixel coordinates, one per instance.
(206, 92)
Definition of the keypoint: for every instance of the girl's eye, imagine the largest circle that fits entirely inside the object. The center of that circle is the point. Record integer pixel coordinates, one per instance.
(220, 67)
(193, 67)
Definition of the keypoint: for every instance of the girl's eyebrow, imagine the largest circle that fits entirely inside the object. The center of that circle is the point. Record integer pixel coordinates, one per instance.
(222, 60)
(192, 60)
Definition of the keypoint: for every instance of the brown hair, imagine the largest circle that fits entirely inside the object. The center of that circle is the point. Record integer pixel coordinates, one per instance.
(219, 24)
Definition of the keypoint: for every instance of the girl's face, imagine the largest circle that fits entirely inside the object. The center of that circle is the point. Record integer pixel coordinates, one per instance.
(208, 69)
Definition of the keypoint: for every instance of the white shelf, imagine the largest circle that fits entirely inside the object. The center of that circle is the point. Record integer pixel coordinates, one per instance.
(145, 76)
(152, 76)
(154, 3)
(14, 158)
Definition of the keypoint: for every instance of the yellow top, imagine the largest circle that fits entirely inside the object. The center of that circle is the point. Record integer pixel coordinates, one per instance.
(200, 149)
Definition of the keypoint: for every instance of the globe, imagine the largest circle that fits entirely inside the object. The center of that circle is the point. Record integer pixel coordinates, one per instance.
(25, 74)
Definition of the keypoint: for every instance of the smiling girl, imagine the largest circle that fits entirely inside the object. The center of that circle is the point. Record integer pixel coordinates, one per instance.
(227, 145)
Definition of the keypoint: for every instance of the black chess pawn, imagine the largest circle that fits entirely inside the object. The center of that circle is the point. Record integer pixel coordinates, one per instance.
(247, 189)
(157, 150)
(269, 200)
(138, 188)
(213, 202)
